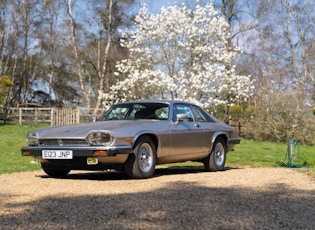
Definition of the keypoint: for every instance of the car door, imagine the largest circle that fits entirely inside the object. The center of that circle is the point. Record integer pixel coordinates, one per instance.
(188, 139)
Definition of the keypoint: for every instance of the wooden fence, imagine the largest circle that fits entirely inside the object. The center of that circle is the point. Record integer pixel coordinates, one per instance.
(52, 116)
(65, 116)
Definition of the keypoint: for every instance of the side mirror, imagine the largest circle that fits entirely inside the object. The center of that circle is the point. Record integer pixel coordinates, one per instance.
(181, 117)
(93, 118)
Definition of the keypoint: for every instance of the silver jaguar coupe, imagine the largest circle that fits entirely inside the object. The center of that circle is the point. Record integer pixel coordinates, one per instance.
(134, 136)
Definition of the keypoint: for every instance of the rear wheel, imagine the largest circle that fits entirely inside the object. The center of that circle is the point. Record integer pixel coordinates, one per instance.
(216, 159)
(54, 172)
(141, 164)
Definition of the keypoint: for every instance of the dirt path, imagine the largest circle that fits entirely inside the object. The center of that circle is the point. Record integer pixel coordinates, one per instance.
(182, 198)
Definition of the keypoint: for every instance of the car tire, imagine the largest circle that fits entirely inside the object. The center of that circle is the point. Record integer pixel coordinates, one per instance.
(141, 164)
(54, 172)
(217, 157)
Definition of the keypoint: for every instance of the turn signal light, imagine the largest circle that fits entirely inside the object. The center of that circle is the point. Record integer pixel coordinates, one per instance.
(128, 138)
(26, 153)
(100, 152)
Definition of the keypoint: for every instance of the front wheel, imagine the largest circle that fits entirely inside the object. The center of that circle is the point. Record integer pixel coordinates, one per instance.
(141, 164)
(54, 172)
(216, 159)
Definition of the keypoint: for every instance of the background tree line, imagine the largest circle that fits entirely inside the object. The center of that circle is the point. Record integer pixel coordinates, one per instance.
(64, 52)
(60, 52)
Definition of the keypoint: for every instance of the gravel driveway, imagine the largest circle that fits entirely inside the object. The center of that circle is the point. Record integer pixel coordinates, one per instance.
(181, 198)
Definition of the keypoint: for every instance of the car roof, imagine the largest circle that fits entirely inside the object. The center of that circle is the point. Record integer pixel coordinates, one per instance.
(155, 101)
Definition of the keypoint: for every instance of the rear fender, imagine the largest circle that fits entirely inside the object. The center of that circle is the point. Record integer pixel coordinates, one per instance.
(216, 135)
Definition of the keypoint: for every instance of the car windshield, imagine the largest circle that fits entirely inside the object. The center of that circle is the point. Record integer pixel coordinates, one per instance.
(133, 111)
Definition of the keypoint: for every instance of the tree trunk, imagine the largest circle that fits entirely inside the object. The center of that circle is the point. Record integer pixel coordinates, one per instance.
(83, 87)
(103, 81)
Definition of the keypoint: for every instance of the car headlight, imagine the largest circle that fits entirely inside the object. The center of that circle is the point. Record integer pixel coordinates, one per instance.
(100, 138)
(32, 139)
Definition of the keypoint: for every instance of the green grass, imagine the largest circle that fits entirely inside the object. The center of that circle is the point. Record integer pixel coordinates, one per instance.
(268, 154)
(12, 138)
(248, 154)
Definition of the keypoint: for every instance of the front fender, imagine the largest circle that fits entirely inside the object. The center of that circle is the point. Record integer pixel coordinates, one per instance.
(153, 136)
(142, 132)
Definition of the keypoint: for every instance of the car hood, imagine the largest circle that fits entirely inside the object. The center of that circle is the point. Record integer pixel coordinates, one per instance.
(119, 127)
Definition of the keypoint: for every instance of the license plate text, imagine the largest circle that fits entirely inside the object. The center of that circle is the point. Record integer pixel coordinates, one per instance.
(57, 154)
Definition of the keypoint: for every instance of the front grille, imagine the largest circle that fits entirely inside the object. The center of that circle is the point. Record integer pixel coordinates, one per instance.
(64, 142)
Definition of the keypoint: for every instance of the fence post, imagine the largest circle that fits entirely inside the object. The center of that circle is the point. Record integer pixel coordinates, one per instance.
(78, 115)
(36, 116)
(20, 115)
(239, 128)
(52, 117)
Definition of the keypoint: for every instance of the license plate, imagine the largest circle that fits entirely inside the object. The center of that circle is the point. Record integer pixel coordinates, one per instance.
(57, 154)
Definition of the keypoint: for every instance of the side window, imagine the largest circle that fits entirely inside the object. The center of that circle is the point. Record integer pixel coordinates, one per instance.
(138, 111)
(162, 113)
(184, 111)
(200, 117)
(118, 113)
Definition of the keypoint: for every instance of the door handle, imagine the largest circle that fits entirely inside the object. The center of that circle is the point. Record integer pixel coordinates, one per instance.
(197, 125)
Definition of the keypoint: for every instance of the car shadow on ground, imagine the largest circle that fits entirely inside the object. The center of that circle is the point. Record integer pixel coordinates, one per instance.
(121, 175)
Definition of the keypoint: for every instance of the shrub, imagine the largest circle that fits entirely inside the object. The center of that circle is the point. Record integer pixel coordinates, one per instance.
(5, 83)
(236, 112)
(278, 117)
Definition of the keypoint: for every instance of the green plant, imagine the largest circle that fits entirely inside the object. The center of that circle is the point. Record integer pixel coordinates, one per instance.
(5, 83)
(236, 112)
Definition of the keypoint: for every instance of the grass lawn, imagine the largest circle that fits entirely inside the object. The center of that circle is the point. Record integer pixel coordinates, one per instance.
(248, 154)
(12, 138)
(268, 154)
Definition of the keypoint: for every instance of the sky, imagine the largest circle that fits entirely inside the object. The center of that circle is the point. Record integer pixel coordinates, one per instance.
(155, 6)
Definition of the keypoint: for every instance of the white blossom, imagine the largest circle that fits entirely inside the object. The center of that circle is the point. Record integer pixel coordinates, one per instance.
(180, 54)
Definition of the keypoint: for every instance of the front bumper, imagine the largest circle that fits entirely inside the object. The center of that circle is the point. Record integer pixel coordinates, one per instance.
(78, 151)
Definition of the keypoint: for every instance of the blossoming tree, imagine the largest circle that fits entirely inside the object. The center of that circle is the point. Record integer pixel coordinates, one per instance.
(180, 53)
